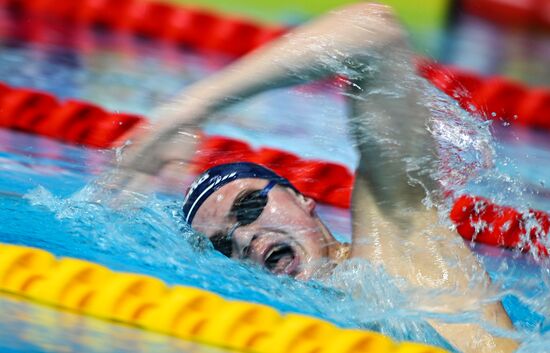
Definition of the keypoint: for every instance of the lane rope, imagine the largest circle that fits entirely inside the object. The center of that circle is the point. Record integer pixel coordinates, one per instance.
(523, 14)
(186, 312)
(493, 98)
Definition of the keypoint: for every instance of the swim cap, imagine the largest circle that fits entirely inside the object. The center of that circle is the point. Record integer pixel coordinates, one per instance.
(216, 177)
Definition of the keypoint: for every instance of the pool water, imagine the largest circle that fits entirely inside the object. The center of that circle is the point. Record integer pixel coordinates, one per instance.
(45, 202)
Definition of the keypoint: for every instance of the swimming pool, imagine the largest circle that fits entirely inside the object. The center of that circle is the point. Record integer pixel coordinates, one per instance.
(40, 208)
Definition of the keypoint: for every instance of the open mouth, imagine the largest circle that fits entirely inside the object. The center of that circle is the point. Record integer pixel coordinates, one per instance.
(281, 259)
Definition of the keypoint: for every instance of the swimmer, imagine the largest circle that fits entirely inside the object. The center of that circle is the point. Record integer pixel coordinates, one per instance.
(249, 212)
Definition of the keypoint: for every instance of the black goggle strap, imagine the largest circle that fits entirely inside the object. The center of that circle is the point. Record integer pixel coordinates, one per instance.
(268, 188)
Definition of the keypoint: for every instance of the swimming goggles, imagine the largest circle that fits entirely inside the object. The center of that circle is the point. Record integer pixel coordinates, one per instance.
(246, 209)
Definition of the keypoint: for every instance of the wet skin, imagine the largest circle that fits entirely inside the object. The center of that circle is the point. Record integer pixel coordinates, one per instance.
(287, 238)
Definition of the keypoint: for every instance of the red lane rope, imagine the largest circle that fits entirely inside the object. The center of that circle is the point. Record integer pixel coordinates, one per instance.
(186, 26)
(529, 14)
(494, 98)
(72, 121)
(86, 124)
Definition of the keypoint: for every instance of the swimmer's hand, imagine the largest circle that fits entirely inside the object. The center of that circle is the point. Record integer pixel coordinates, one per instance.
(164, 147)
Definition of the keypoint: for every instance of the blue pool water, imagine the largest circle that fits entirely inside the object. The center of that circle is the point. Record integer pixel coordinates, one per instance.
(44, 203)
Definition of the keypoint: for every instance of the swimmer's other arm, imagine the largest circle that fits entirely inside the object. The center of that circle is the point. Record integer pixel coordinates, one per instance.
(357, 41)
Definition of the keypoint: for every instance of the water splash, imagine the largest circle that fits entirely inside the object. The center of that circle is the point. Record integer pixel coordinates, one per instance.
(153, 240)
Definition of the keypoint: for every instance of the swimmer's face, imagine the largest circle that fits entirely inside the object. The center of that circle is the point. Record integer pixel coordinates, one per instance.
(287, 238)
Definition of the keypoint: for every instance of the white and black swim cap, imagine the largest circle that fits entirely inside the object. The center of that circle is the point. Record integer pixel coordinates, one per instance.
(216, 177)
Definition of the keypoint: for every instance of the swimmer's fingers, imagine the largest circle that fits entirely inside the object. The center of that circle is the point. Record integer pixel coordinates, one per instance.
(134, 193)
(173, 137)
(134, 176)
(162, 147)
(135, 185)
(146, 151)
(123, 188)
(138, 185)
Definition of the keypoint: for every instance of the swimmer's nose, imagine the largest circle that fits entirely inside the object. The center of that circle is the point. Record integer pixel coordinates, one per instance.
(242, 240)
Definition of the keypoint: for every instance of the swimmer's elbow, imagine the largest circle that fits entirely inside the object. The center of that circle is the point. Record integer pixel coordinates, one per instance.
(371, 20)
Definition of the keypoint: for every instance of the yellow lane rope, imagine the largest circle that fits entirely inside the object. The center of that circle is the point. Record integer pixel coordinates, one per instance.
(186, 312)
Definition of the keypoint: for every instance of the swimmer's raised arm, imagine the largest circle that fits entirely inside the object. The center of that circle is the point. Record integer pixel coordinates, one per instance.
(337, 43)
(340, 42)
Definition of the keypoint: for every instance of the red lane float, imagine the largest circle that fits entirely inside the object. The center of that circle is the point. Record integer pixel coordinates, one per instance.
(479, 220)
(494, 98)
(21, 109)
(197, 28)
(72, 121)
(86, 124)
(528, 14)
